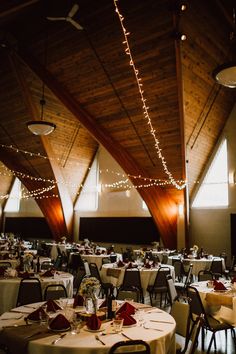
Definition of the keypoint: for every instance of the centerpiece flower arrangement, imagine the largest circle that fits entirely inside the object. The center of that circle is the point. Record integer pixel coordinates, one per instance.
(194, 250)
(63, 239)
(27, 259)
(88, 289)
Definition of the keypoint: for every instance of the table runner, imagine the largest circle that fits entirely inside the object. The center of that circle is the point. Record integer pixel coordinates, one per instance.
(16, 339)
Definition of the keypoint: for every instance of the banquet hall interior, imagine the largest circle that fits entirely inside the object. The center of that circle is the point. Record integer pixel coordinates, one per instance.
(117, 149)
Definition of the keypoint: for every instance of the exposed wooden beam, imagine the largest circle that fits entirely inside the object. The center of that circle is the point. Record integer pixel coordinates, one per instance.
(51, 207)
(159, 203)
(66, 202)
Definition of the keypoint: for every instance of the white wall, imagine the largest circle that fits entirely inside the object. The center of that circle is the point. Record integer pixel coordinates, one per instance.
(210, 228)
(112, 202)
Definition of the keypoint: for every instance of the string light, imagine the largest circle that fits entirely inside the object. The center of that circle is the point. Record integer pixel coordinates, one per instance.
(145, 108)
(101, 171)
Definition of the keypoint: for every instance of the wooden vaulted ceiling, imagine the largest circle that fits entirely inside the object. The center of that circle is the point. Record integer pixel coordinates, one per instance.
(92, 97)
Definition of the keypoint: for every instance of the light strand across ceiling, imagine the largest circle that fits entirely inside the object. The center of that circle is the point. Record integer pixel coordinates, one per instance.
(106, 170)
(145, 107)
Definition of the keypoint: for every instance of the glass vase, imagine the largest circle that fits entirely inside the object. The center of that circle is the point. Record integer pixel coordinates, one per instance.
(91, 304)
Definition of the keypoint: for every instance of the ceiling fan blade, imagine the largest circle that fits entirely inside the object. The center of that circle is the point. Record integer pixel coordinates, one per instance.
(73, 10)
(55, 18)
(74, 23)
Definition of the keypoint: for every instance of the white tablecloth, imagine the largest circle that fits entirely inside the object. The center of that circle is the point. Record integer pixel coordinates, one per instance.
(147, 276)
(223, 308)
(9, 288)
(198, 264)
(93, 258)
(161, 341)
(14, 262)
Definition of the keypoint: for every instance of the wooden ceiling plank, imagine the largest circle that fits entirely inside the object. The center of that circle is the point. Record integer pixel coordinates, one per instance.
(159, 203)
(65, 200)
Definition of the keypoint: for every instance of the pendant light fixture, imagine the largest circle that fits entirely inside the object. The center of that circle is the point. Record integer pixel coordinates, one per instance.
(225, 74)
(42, 127)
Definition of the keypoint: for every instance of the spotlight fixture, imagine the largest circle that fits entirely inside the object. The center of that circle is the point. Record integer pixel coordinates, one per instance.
(180, 36)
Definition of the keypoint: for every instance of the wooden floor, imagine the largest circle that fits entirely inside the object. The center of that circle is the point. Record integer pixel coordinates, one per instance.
(224, 346)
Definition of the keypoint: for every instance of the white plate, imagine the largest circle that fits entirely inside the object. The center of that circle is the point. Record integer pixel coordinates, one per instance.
(133, 325)
(59, 330)
(93, 330)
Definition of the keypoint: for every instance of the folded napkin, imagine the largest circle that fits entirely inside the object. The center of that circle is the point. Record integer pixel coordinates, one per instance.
(103, 304)
(147, 265)
(233, 280)
(59, 323)
(98, 253)
(127, 308)
(128, 319)
(78, 301)
(103, 251)
(94, 322)
(120, 264)
(52, 306)
(48, 273)
(219, 286)
(130, 265)
(37, 315)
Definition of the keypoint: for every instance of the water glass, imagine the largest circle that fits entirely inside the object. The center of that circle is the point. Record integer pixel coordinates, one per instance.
(117, 325)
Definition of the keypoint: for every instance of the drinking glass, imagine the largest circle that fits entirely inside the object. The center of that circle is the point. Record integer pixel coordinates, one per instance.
(117, 325)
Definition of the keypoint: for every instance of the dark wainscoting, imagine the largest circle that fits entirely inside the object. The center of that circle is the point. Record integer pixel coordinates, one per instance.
(134, 230)
(28, 227)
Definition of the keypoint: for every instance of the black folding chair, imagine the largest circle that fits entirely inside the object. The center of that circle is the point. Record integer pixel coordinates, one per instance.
(29, 291)
(55, 291)
(130, 347)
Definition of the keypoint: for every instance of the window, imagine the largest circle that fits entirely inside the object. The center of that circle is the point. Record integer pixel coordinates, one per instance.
(13, 202)
(214, 189)
(88, 198)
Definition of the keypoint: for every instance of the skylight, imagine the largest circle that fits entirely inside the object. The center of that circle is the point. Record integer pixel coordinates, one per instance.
(13, 202)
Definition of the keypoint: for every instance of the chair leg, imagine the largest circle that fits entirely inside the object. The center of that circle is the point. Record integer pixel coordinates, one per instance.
(210, 344)
(150, 295)
(203, 339)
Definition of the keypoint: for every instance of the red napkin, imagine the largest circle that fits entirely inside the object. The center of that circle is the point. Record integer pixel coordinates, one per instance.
(52, 306)
(130, 265)
(127, 308)
(78, 301)
(37, 314)
(233, 280)
(94, 322)
(120, 264)
(98, 253)
(59, 322)
(128, 319)
(103, 304)
(147, 265)
(103, 251)
(219, 286)
(48, 273)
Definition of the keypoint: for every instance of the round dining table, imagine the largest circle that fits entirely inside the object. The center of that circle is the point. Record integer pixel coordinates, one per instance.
(220, 304)
(110, 273)
(157, 328)
(9, 287)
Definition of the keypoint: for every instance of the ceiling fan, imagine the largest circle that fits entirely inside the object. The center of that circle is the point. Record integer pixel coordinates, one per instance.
(69, 18)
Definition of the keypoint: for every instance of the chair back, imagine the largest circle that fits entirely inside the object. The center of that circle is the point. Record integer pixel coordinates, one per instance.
(106, 260)
(164, 259)
(188, 276)
(94, 271)
(130, 347)
(216, 267)
(178, 266)
(58, 262)
(113, 258)
(29, 291)
(195, 303)
(132, 278)
(75, 262)
(129, 293)
(204, 275)
(54, 292)
(171, 289)
(160, 279)
(180, 311)
(78, 279)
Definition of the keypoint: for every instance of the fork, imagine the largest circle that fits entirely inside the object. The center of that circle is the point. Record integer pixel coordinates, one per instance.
(59, 338)
(99, 339)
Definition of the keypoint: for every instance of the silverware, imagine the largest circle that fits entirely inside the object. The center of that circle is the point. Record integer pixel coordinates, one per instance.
(34, 334)
(59, 338)
(99, 339)
(159, 321)
(155, 329)
(124, 335)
